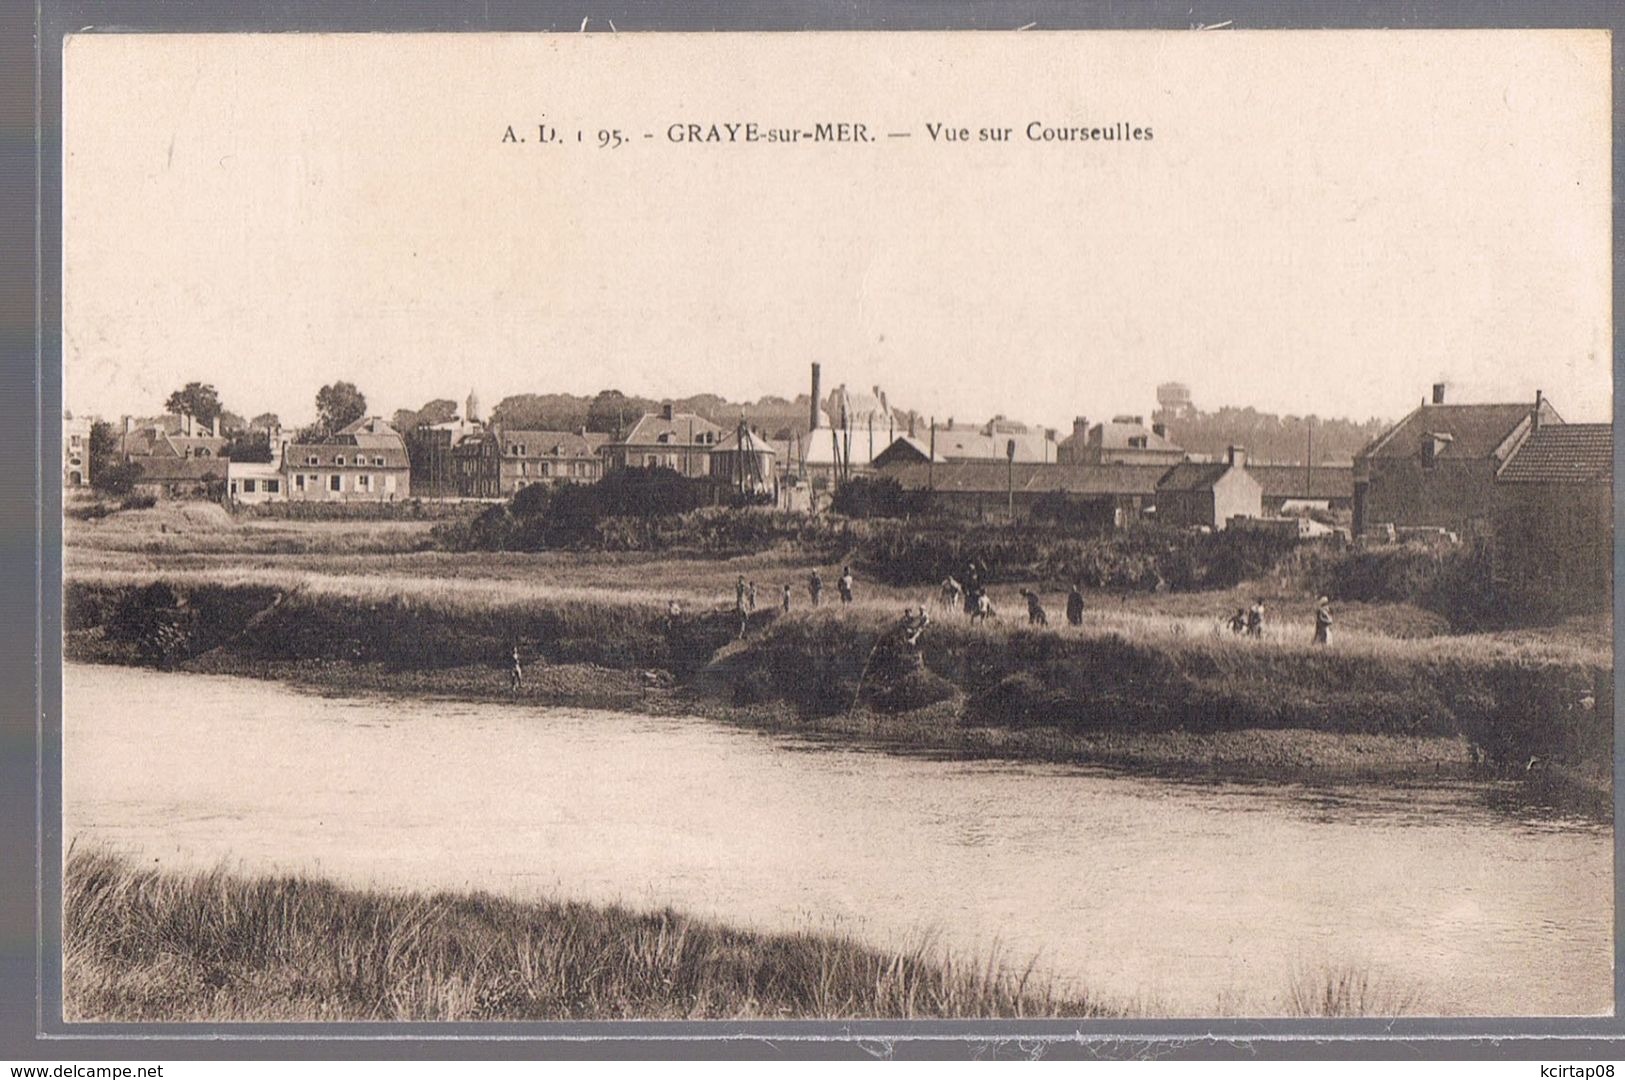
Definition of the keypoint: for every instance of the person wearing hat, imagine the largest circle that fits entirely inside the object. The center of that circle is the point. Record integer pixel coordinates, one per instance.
(1323, 622)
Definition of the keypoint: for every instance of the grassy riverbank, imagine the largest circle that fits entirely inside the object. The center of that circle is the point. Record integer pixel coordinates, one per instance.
(142, 945)
(155, 946)
(1161, 693)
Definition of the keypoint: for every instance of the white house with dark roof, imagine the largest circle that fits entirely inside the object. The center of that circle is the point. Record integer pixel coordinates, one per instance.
(364, 462)
(679, 441)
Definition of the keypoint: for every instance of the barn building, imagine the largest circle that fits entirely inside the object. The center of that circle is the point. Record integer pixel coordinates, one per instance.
(1553, 518)
(1197, 493)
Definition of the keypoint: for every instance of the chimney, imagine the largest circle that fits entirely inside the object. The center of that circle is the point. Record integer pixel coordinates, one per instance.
(1080, 428)
(1238, 457)
(1160, 430)
(1534, 417)
(1438, 393)
(665, 411)
(214, 426)
(812, 422)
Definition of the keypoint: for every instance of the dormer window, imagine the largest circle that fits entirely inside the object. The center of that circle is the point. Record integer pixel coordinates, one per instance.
(377, 461)
(339, 460)
(1434, 443)
(313, 460)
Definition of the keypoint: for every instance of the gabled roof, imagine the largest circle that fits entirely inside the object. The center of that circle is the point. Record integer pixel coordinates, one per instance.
(995, 477)
(553, 443)
(1475, 431)
(904, 449)
(978, 445)
(298, 455)
(1562, 454)
(1296, 482)
(1115, 435)
(369, 425)
(652, 426)
(1193, 476)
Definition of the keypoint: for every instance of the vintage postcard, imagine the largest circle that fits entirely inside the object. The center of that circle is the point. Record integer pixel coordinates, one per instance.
(616, 526)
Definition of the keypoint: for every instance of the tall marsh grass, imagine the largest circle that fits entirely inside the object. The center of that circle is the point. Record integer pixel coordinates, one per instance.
(148, 945)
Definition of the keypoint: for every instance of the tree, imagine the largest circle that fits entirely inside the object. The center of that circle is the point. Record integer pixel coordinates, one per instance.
(249, 446)
(338, 406)
(198, 400)
(103, 453)
(438, 411)
(265, 421)
(118, 478)
(231, 423)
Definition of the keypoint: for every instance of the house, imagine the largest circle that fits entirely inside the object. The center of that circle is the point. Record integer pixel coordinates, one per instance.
(366, 461)
(997, 440)
(680, 441)
(75, 450)
(1552, 518)
(172, 435)
(1330, 487)
(166, 476)
(1436, 468)
(257, 481)
(547, 457)
(1104, 496)
(1124, 440)
(1209, 494)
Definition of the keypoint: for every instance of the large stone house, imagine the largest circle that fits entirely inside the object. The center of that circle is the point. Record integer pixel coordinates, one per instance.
(1199, 493)
(1123, 440)
(366, 461)
(1436, 468)
(1552, 513)
(680, 441)
(497, 462)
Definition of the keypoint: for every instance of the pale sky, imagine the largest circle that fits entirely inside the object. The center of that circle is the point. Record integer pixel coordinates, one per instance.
(1322, 223)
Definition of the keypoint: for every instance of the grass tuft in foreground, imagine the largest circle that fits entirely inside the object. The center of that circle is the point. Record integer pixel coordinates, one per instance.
(147, 945)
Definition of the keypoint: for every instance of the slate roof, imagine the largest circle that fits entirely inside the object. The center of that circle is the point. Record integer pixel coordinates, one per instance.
(1563, 454)
(651, 426)
(1475, 431)
(1294, 482)
(1193, 476)
(572, 444)
(992, 477)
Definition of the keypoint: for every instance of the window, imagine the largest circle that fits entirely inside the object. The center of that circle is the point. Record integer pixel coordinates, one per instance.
(335, 482)
(273, 486)
(73, 440)
(524, 469)
(389, 483)
(363, 482)
(313, 460)
(234, 487)
(339, 460)
(521, 449)
(249, 487)
(299, 481)
(203, 451)
(378, 461)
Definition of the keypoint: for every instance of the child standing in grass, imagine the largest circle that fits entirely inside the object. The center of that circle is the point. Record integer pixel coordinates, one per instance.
(815, 586)
(1323, 622)
(516, 678)
(786, 599)
(845, 584)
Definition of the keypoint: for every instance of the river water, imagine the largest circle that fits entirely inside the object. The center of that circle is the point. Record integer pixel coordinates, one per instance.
(1172, 898)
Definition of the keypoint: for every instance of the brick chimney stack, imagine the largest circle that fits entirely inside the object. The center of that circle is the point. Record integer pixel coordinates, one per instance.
(812, 423)
(1534, 417)
(1238, 457)
(1438, 393)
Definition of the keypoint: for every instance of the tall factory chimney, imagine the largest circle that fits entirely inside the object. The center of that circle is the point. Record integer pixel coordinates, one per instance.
(813, 420)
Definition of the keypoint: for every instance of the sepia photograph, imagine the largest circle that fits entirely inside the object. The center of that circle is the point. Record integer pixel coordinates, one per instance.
(614, 526)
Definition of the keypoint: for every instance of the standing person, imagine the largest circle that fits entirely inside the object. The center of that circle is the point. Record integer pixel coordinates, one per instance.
(815, 586)
(845, 584)
(1074, 606)
(1323, 622)
(516, 677)
(739, 592)
(744, 616)
(1255, 618)
(1238, 621)
(786, 601)
(750, 595)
